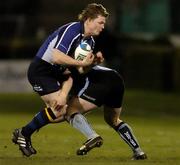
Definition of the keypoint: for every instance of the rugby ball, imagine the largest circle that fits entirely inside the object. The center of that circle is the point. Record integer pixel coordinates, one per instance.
(82, 50)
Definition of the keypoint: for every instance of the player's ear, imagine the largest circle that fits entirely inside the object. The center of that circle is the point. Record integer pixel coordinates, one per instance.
(89, 20)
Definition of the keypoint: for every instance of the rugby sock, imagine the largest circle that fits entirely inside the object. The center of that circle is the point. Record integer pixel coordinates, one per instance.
(40, 119)
(127, 135)
(79, 122)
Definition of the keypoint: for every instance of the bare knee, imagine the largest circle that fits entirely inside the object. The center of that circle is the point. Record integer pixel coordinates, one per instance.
(54, 103)
(112, 121)
(78, 105)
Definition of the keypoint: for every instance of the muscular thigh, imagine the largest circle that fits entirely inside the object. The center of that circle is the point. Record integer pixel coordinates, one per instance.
(51, 99)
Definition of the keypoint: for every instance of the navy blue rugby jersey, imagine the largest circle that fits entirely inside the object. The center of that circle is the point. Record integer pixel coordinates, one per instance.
(66, 38)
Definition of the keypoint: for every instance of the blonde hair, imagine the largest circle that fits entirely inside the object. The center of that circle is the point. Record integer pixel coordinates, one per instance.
(92, 11)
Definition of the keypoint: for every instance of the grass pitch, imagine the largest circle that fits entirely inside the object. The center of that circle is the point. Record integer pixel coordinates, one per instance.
(154, 117)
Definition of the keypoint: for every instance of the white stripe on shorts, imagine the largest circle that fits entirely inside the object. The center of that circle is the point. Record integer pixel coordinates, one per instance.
(98, 67)
(84, 88)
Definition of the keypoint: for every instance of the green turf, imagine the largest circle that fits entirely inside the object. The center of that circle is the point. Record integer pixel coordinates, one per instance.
(153, 116)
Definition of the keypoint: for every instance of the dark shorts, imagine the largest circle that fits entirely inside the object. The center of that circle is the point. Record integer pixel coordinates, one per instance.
(44, 77)
(101, 86)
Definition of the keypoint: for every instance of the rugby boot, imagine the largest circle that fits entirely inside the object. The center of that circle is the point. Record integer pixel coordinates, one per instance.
(139, 156)
(24, 143)
(89, 145)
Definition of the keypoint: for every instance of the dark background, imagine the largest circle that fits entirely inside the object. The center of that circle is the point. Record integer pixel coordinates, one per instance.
(141, 39)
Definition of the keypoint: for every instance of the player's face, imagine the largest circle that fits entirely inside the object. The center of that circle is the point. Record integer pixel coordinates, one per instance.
(95, 26)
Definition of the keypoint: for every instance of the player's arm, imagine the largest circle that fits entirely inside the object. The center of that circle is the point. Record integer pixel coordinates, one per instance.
(61, 58)
(66, 87)
(63, 95)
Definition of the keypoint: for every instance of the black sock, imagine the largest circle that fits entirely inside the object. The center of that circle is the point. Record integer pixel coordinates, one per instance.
(39, 120)
(126, 134)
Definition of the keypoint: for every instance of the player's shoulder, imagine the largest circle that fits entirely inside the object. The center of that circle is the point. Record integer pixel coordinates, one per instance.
(72, 26)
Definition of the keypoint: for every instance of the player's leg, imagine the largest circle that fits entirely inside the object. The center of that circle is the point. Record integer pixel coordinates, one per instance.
(56, 105)
(22, 136)
(112, 109)
(111, 116)
(91, 95)
(47, 84)
(48, 115)
(78, 121)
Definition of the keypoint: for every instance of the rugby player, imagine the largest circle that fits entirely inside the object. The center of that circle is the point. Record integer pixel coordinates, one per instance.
(104, 87)
(100, 86)
(50, 73)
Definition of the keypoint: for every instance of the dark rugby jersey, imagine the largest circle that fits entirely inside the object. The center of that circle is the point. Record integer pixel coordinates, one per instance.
(66, 38)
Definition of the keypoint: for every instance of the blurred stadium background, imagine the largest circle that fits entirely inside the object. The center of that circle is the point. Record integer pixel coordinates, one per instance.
(141, 41)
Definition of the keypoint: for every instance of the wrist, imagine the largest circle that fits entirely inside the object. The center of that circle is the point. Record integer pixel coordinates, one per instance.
(80, 63)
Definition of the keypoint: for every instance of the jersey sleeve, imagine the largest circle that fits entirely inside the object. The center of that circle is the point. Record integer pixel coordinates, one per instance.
(67, 36)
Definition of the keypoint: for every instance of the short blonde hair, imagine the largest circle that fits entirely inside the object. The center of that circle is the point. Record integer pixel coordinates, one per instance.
(92, 11)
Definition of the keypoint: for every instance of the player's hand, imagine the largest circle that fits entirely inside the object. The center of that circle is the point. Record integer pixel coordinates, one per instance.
(88, 60)
(57, 105)
(98, 58)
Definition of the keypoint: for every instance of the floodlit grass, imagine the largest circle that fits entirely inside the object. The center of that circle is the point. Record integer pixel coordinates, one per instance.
(153, 116)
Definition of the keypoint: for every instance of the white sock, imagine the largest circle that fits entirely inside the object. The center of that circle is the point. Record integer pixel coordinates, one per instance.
(79, 122)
